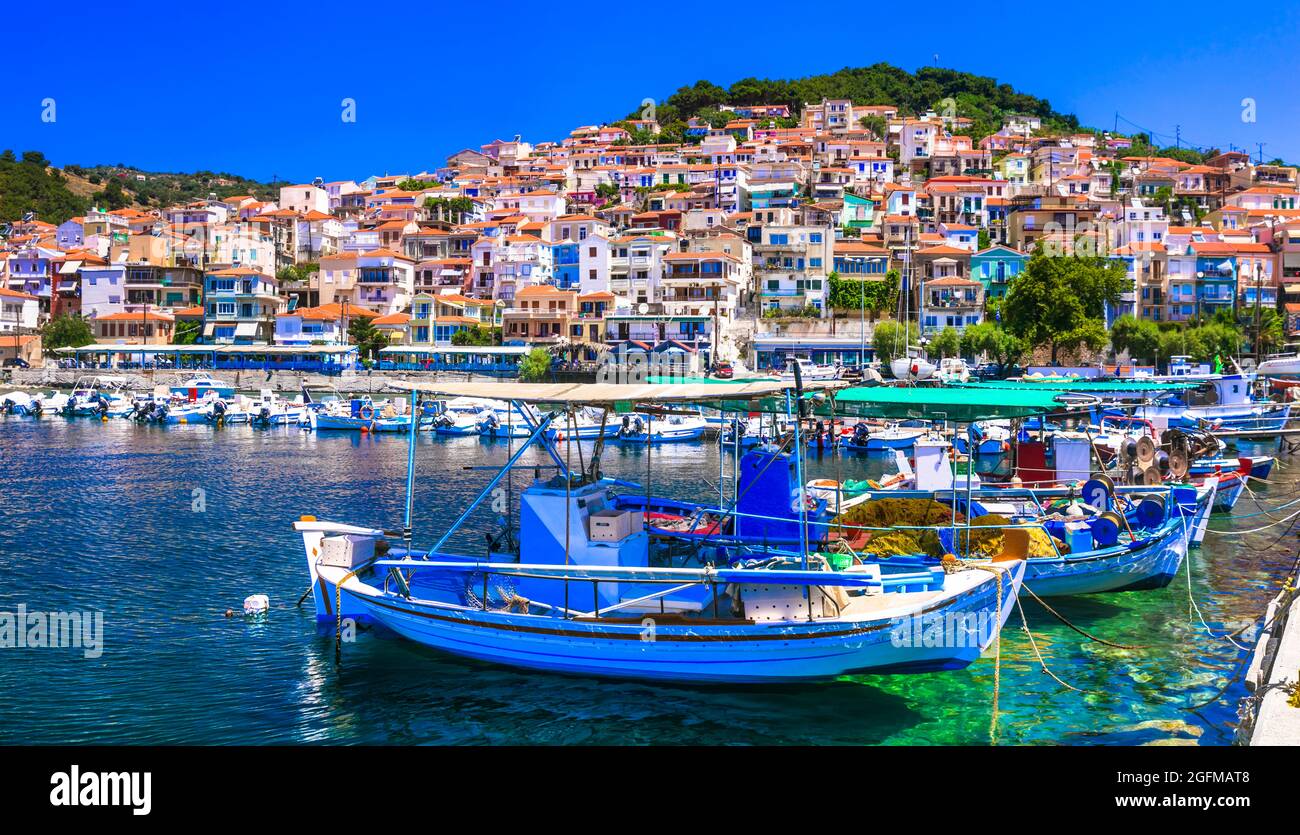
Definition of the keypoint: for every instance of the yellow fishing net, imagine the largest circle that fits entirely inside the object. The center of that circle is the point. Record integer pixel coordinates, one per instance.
(987, 541)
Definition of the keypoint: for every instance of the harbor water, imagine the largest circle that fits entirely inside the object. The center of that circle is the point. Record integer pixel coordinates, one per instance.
(165, 529)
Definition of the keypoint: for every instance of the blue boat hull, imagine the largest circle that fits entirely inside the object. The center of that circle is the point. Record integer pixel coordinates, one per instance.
(704, 652)
(669, 437)
(1122, 568)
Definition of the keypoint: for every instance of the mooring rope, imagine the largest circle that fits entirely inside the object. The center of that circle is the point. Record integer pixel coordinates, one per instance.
(1024, 622)
(1274, 523)
(1085, 633)
(997, 646)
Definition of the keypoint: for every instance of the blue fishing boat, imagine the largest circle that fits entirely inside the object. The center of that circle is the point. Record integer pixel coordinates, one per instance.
(359, 415)
(582, 587)
(202, 385)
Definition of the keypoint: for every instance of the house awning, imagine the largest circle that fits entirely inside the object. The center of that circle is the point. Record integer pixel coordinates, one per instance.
(246, 329)
(69, 267)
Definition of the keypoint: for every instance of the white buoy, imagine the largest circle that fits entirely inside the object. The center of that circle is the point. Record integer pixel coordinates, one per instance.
(256, 604)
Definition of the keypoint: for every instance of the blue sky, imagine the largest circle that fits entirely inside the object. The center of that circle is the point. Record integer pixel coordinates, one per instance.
(256, 89)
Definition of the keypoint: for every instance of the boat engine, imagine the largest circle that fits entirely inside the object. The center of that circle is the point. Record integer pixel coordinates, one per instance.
(861, 435)
(264, 416)
(217, 413)
(632, 425)
(159, 412)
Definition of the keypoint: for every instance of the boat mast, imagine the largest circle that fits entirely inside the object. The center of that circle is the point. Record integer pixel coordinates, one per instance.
(410, 471)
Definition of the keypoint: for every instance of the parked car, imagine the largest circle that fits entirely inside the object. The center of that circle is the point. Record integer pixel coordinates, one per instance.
(14, 362)
(723, 370)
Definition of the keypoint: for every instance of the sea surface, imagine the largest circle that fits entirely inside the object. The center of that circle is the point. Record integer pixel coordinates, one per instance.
(105, 517)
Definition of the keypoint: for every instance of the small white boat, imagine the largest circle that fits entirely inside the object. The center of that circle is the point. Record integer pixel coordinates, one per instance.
(1280, 365)
(661, 429)
(810, 371)
(914, 366)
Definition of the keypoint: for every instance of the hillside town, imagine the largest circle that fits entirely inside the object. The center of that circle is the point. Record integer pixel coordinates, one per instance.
(731, 244)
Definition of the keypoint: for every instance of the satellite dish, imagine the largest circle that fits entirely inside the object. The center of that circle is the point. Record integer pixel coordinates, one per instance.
(643, 308)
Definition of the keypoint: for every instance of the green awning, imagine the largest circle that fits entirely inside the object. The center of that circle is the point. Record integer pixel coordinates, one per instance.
(954, 404)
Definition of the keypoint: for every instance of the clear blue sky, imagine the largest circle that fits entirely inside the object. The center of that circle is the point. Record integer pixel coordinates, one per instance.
(255, 89)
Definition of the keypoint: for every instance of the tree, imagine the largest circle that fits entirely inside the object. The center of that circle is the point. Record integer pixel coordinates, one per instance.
(890, 339)
(294, 273)
(946, 344)
(1139, 337)
(875, 124)
(985, 240)
(368, 339)
(66, 331)
(451, 207)
(479, 335)
(535, 366)
(113, 197)
(27, 186)
(1060, 301)
(187, 332)
(988, 339)
(873, 296)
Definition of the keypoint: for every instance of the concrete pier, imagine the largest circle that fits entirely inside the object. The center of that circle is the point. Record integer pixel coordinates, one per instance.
(1273, 672)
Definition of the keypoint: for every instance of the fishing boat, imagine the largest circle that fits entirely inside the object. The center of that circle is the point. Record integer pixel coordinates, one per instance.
(584, 589)
(586, 425)
(661, 429)
(359, 414)
(200, 386)
(985, 437)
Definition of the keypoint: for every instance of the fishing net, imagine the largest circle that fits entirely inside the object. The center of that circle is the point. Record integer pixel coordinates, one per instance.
(986, 539)
(896, 513)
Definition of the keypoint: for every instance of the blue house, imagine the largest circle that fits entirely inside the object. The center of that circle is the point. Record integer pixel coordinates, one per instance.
(995, 267)
(1216, 276)
(565, 258)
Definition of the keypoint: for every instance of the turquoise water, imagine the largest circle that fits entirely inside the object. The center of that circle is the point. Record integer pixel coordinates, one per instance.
(100, 516)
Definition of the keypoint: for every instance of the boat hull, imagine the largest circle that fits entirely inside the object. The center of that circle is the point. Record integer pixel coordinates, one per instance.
(1122, 568)
(671, 436)
(704, 652)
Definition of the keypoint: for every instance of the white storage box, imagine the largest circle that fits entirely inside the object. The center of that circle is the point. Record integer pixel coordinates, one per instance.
(613, 525)
(347, 551)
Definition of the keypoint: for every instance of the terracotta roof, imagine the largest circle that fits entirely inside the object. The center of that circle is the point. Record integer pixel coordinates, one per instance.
(150, 316)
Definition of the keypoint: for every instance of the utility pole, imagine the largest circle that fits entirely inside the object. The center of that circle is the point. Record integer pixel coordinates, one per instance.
(1259, 160)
